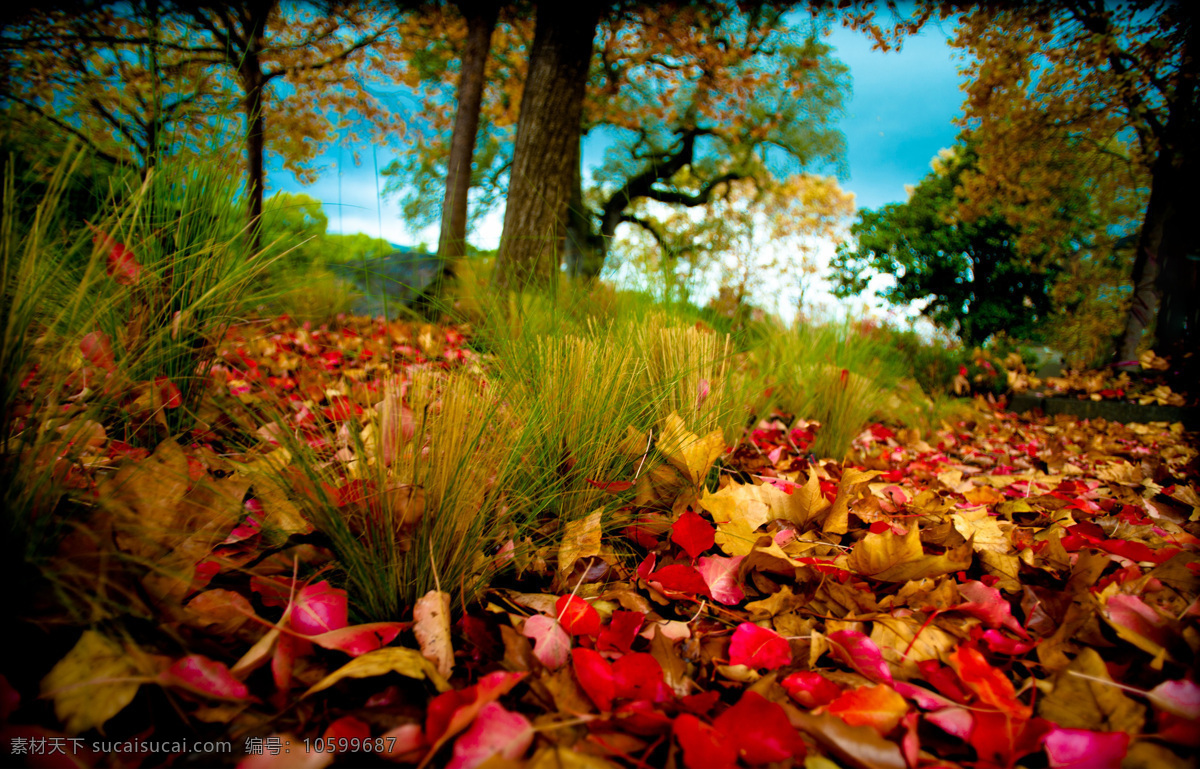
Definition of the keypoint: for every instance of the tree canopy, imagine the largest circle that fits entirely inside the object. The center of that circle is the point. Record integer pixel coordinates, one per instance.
(1106, 93)
(687, 96)
(970, 273)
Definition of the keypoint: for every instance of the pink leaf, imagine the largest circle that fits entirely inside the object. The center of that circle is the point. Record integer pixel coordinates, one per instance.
(319, 608)
(449, 713)
(989, 605)
(496, 732)
(1180, 698)
(578, 617)
(551, 644)
(359, 639)
(1082, 749)
(721, 575)
(201, 675)
(860, 653)
(757, 647)
(761, 730)
(693, 533)
(595, 676)
(403, 745)
(704, 746)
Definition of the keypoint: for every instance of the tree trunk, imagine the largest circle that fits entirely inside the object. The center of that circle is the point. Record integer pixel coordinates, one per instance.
(254, 88)
(548, 134)
(481, 18)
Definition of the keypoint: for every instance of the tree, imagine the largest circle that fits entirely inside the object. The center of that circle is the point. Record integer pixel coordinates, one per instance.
(1119, 80)
(694, 94)
(140, 73)
(481, 17)
(318, 50)
(546, 154)
(975, 280)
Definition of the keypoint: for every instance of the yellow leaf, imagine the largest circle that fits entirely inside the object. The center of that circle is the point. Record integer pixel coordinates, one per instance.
(91, 683)
(735, 537)
(581, 539)
(1084, 697)
(982, 529)
(810, 502)
(391, 659)
(892, 558)
(687, 452)
(838, 519)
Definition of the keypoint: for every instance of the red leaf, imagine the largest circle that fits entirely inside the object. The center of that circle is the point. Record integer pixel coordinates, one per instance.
(679, 579)
(621, 631)
(761, 730)
(1082, 749)
(986, 682)
(97, 350)
(641, 717)
(811, 689)
(757, 647)
(595, 675)
(638, 676)
(347, 728)
(122, 265)
(860, 653)
(692, 533)
(989, 605)
(704, 746)
(578, 617)
(612, 487)
(319, 608)
(168, 393)
(199, 674)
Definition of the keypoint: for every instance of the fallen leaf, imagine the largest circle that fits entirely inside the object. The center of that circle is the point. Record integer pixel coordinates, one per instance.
(91, 684)
(394, 659)
(431, 625)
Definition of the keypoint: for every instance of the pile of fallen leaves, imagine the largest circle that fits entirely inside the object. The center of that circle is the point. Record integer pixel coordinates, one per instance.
(1001, 592)
(1150, 385)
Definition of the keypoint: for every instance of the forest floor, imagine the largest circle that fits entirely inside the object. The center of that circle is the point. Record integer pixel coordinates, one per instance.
(1006, 590)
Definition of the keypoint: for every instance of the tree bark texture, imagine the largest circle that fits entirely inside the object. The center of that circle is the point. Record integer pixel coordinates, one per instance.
(254, 84)
(547, 144)
(481, 18)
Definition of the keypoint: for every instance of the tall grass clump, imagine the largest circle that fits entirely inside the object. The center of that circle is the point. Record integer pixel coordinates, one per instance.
(411, 497)
(827, 373)
(108, 330)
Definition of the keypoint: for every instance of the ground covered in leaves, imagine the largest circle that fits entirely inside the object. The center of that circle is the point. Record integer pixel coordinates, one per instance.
(1001, 592)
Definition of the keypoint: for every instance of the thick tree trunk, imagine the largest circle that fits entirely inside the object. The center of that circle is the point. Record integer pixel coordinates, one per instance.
(254, 86)
(481, 18)
(548, 134)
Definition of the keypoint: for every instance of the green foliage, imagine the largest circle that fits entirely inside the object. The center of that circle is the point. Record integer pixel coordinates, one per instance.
(108, 333)
(974, 278)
